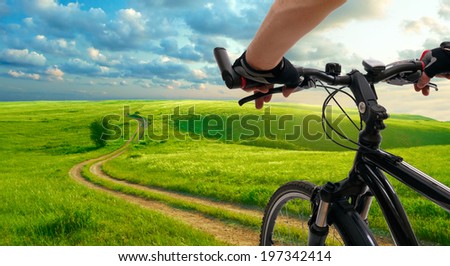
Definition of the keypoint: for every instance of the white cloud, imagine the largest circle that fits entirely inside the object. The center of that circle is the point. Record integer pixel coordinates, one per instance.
(104, 69)
(165, 59)
(22, 57)
(28, 22)
(20, 74)
(406, 100)
(209, 5)
(62, 43)
(445, 9)
(41, 38)
(164, 43)
(133, 19)
(127, 31)
(93, 53)
(60, 20)
(428, 24)
(199, 74)
(357, 10)
(45, 4)
(173, 84)
(201, 87)
(57, 46)
(96, 55)
(54, 73)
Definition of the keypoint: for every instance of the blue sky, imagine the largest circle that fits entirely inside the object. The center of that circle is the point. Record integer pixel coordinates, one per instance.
(162, 49)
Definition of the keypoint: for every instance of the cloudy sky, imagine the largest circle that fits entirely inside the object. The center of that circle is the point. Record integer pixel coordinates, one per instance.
(162, 49)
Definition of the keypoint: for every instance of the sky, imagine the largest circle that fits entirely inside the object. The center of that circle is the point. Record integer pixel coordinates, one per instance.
(162, 49)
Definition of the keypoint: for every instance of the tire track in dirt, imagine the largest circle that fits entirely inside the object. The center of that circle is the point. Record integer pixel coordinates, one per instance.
(96, 169)
(230, 234)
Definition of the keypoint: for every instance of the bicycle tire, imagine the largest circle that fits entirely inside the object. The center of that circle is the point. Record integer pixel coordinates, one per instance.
(349, 229)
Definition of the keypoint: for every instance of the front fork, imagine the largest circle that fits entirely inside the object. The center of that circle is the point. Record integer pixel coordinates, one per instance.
(326, 195)
(318, 225)
(363, 206)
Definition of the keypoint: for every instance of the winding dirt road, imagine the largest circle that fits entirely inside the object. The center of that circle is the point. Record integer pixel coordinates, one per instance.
(230, 234)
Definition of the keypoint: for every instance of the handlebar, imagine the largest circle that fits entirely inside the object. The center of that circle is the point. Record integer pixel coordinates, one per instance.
(230, 77)
(397, 73)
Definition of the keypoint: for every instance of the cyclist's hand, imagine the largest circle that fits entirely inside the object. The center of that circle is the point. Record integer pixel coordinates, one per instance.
(437, 63)
(283, 73)
(422, 84)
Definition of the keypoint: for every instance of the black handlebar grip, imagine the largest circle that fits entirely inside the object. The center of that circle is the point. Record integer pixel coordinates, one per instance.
(229, 76)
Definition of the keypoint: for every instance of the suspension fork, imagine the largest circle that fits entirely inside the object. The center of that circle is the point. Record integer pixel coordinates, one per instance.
(363, 205)
(324, 199)
(318, 223)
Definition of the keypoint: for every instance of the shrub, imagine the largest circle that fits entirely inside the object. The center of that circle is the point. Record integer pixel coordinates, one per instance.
(98, 133)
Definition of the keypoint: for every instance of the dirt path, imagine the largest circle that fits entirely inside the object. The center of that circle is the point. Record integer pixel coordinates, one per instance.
(231, 234)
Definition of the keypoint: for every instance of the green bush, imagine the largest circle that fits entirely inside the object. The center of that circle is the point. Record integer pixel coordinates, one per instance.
(98, 133)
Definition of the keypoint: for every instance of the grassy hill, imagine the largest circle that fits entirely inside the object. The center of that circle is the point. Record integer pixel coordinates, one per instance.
(211, 149)
(295, 127)
(41, 205)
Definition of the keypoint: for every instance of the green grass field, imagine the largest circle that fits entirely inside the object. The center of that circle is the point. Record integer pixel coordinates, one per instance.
(41, 205)
(211, 149)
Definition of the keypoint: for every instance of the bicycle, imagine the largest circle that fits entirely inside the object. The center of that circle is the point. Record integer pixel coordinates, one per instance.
(345, 205)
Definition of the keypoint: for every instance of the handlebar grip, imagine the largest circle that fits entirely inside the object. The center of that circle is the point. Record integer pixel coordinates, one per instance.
(229, 76)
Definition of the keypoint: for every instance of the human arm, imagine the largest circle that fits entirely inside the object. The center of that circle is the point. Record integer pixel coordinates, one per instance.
(286, 22)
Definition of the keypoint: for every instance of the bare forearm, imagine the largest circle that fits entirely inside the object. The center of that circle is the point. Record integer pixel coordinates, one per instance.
(286, 22)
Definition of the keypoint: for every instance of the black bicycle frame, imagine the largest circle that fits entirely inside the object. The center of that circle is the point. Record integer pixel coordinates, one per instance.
(370, 167)
(370, 163)
(367, 178)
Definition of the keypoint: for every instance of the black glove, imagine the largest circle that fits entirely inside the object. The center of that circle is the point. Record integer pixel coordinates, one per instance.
(437, 61)
(283, 73)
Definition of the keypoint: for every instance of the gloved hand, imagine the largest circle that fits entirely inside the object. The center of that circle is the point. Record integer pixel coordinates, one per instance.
(284, 73)
(437, 63)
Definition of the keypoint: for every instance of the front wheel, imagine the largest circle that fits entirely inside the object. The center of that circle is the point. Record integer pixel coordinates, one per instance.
(286, 217)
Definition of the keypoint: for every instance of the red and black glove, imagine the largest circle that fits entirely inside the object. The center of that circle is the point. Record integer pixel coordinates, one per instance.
(284, 73)
(437, 61)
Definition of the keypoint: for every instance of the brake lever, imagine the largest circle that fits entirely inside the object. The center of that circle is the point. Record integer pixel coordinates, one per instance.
(307, 84)
(270, 92)
(259, 95)
(401, 81)
(434, 86)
